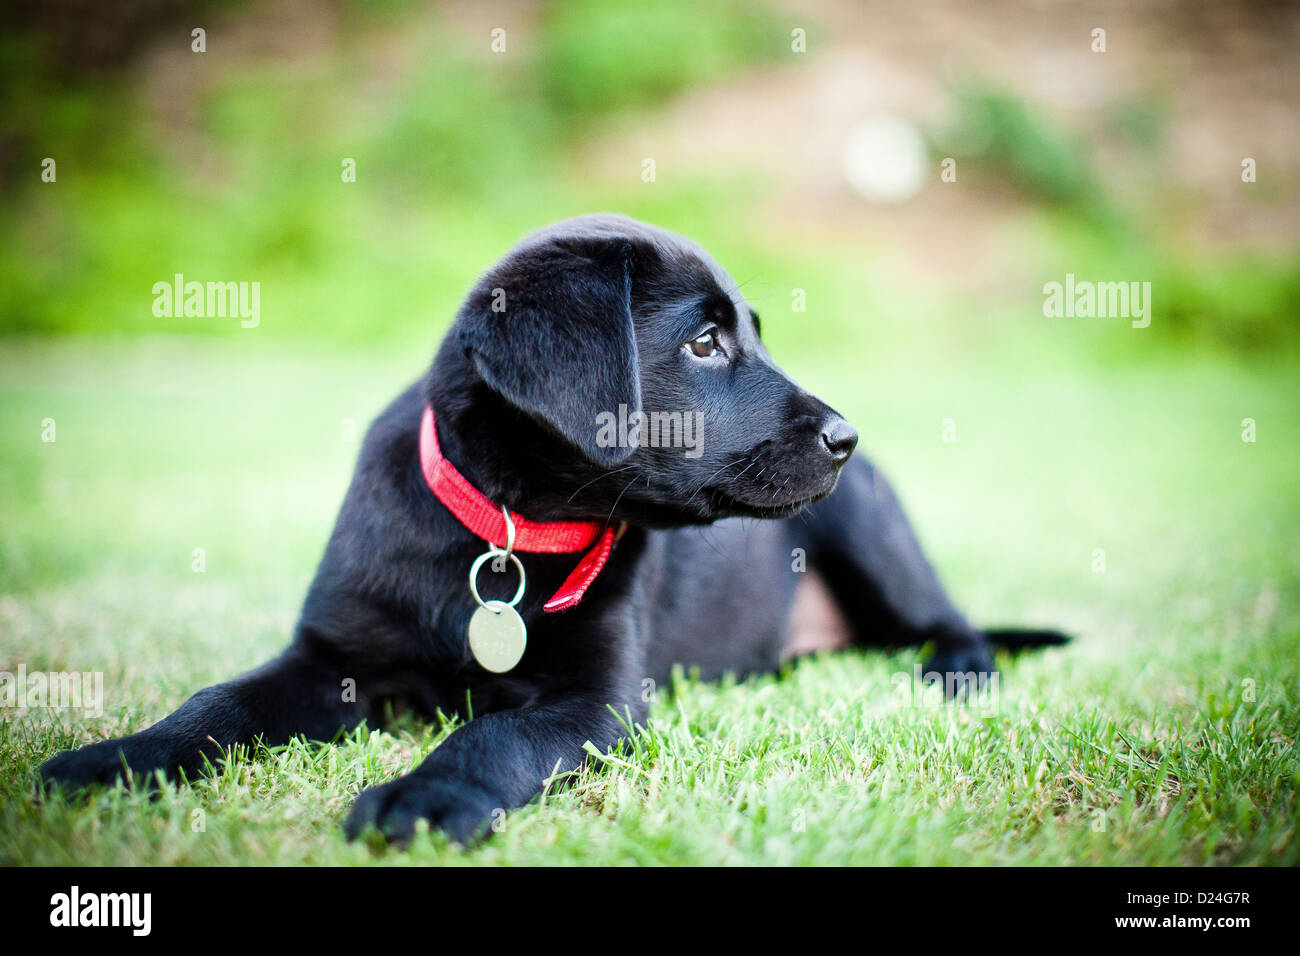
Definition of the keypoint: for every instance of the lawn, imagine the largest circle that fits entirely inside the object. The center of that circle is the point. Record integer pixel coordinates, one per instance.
(1113, 499)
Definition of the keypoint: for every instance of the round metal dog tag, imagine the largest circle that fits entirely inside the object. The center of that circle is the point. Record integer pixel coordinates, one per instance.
(497, 636)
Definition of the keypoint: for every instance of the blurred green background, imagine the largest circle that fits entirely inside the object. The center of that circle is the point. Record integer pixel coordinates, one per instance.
(1072, 435)
(1123, 165)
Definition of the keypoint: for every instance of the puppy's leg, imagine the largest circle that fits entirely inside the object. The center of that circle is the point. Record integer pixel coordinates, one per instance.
(494, 763)
(293, 694)
(861, 542)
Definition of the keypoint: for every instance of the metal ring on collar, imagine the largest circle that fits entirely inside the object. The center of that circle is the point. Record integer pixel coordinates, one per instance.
(478, 563)
(510, 531)
(499, 561)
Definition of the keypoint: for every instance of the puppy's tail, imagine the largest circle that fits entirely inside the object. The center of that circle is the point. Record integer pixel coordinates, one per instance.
(1022, 639)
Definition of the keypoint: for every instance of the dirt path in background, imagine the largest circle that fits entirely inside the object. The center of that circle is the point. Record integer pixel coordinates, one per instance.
(1223, 78)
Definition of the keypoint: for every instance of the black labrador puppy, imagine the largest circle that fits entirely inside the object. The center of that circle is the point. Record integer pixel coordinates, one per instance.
(603, 394)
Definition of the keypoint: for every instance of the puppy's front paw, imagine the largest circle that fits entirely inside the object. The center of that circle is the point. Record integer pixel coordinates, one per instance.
(463, 811)
(98, 763)
(961, 670)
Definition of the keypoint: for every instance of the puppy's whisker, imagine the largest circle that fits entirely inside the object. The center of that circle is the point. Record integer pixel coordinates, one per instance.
(739, 285)
(706, 481)
(614, 506)
(737, 476)
(605, 475)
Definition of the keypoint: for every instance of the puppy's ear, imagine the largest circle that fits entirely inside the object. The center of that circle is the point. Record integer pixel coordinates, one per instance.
(550, 328)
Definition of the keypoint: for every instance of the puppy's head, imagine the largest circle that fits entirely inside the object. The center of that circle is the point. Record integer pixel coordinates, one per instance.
(610, 370)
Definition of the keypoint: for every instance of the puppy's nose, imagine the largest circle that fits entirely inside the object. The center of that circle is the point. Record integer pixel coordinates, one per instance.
(840, 438)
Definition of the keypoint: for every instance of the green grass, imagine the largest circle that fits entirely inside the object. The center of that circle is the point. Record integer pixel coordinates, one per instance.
(1165, 735)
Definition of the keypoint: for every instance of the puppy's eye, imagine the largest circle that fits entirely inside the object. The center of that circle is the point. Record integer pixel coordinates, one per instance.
(704, 345)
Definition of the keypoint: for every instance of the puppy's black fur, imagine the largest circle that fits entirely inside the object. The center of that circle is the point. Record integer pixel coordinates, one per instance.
(599, 312)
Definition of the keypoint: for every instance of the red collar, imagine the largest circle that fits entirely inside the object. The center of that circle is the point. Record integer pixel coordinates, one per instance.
(477, 513)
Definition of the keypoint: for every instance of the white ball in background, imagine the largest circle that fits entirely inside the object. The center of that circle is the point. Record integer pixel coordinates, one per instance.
(885, 159)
